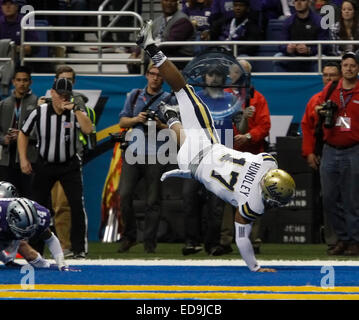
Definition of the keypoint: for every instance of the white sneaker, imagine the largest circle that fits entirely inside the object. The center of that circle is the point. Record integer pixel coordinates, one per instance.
(144, 38)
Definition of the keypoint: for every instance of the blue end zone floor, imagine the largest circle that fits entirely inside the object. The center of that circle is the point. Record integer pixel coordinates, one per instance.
(184, 283)
(185, 276)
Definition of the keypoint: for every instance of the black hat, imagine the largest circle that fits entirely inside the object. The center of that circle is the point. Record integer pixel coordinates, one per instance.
(62, 85)
(352, 55)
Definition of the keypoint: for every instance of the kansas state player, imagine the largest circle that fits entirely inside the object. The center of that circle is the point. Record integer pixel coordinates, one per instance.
(248, 182)
(21, 219)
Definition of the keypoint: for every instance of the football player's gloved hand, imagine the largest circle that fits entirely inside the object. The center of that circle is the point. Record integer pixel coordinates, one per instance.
(69, 269)
(64, 268)
(12, 264)
(177, 173)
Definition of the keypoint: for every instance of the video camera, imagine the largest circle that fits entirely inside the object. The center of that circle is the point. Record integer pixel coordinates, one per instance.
(327, 113)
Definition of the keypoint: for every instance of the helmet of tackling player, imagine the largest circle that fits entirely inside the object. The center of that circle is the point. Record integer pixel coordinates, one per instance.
(277, 187)
(22, 218)
(7, 190)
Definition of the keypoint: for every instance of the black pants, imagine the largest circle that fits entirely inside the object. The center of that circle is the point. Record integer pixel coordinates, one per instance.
(70, 176)
(203, 214)
(130, 176)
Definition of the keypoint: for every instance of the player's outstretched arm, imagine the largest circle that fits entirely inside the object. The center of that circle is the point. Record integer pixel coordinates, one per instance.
(242, 232)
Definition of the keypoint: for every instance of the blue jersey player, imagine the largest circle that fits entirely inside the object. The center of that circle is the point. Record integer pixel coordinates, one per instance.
(22, 219)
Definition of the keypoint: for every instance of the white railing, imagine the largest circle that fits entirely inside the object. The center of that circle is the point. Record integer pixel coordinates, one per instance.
(27, 25)
(320, 57)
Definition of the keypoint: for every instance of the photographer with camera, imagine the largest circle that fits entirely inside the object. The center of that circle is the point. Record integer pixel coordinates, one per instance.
(312, 145)
(339, 171)
(140, 113)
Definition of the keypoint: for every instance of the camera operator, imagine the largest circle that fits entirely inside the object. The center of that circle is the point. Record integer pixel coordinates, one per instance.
(339, 170)
(141, 112)
(312, 145)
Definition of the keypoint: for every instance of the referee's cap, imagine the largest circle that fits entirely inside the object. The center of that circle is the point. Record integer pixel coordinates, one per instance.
(62, 85)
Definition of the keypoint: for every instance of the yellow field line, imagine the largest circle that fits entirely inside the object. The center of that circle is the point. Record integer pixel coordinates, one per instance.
(60, 287)
(155, 295)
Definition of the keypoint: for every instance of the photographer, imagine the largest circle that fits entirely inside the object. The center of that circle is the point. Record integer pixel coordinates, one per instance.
(312, 144)
(339, 171)
(141, 114)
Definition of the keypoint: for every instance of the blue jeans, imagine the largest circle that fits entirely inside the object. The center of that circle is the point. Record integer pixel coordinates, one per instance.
(339, 173)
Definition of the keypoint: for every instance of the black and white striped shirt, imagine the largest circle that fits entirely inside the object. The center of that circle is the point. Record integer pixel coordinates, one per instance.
(57, 134)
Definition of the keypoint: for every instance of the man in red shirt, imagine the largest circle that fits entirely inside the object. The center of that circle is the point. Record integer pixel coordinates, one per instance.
(331, 72)
(250, 134)
(339, 170)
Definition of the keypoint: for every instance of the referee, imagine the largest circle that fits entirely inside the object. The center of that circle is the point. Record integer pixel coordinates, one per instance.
(57, 124)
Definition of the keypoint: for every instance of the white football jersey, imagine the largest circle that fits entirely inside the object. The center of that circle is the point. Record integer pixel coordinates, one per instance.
(235, 177)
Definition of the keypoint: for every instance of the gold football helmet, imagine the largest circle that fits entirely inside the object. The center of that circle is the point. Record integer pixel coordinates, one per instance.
(278, 187)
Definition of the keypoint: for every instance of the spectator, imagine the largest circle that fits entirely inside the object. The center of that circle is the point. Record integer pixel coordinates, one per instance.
(257, 118)
(10, 25)
(194, 193)
(78, 20)
(222, 14)
(134, 115)
(249, 136)
(276, 9)
(242, 28)
(339, 163)
(304, 24)
(199, 12)
(172, 25)
(312, 151)
(58, 123)
(60, 205)
(13, 111)
(346, 28)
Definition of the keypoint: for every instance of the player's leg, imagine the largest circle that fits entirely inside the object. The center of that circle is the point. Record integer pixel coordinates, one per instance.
(196, 118)
(194, 113)
(168, 70)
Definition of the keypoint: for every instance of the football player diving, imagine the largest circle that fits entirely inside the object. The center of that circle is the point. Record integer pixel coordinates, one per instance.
(251, 183)
(21, 219)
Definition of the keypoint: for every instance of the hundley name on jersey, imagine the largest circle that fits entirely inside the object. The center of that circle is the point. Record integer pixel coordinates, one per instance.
(249, 178)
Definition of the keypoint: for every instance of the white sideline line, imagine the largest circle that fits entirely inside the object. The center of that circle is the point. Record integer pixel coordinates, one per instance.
(162, 262)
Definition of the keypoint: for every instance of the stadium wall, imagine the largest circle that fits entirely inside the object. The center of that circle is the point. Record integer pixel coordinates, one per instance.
(286, 95)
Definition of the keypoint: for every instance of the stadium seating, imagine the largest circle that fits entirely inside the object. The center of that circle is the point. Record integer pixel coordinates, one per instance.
(272, 33)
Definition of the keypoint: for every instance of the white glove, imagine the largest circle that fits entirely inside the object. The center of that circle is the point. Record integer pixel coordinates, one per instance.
(186, 174)
(60, 261)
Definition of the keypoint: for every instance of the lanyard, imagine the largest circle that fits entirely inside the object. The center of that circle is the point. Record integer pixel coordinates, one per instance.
(343, 103)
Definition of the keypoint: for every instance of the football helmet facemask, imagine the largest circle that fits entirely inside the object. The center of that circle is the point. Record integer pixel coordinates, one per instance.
(277, 188)
(22, 218)
(7, 190)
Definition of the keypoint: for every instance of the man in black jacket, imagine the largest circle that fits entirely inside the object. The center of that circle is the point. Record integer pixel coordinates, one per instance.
(13, 111)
